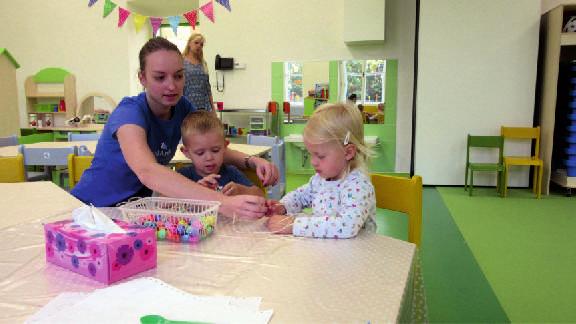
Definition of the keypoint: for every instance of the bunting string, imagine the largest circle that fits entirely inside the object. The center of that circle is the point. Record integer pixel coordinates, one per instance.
(155, 22)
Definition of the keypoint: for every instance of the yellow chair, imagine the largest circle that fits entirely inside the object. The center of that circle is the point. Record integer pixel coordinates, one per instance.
(252, 176)
(12, 169)
(76, 166)
(524, 133)
(403, 195)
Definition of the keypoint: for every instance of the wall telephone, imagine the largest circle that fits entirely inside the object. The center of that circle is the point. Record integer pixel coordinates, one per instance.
(224, 63)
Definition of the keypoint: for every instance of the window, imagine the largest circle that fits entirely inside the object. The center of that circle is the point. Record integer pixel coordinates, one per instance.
(365, 79)
(293, 82)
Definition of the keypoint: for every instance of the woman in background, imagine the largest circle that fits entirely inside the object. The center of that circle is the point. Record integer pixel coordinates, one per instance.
(197, 87)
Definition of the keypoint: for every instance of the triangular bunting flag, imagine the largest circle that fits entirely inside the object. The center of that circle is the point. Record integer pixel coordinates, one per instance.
(174, 22)
(108, 7)
(139, 21)
(91, 3)
(208, 10)
(192, 16)
(155, 22)
(225, 3)
(122, 16)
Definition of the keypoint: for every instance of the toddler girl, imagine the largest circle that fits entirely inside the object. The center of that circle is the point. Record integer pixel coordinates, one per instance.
(340, 193)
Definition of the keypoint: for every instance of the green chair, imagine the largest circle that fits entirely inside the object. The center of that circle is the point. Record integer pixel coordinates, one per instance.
(486, 142)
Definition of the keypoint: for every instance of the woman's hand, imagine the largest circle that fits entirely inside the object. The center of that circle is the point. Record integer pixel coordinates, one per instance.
(243, 206)
(266, 171)
(210, 181)
(280, 224)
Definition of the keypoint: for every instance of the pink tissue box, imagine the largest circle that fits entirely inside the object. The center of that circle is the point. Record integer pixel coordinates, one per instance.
(104, 257)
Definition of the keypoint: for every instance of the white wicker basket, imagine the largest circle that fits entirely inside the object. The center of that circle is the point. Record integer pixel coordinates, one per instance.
(177, 220)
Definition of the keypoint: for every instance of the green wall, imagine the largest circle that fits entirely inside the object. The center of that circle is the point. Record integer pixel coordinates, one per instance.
(385, 152)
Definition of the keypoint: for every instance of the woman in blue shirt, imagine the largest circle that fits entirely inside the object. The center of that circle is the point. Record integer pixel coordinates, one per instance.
(142, 135)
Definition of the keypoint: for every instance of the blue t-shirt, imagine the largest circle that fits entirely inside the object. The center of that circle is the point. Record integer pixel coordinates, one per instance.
(228, 173)
(109, 180)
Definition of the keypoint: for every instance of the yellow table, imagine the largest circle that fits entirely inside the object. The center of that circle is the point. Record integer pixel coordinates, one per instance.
(365, 279)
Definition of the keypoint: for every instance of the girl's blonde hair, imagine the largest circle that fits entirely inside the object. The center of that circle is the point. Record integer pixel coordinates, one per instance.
(343, 124)
(186, 53)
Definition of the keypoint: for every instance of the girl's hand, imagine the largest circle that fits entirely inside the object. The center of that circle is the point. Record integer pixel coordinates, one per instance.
(275, 208)
(243, 206)
(266, 171)
(210, 181)
(280, 224)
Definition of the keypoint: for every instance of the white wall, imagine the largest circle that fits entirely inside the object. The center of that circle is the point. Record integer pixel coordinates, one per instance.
(476, 71)
(551, 4)
(68, 34)
(257, 33)
(312, 73)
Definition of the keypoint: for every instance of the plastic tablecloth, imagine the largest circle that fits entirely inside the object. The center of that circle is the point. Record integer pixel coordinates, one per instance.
(365, 279)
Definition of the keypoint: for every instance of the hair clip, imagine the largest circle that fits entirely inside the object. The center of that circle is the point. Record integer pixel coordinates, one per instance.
(347, 138)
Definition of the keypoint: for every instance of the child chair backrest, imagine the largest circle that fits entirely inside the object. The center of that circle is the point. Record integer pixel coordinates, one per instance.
(9, 140)
(403, 195)
(528, 133)
(12, 169)
(83, 137)
(487, 142)
(46, 156)
(76, 166)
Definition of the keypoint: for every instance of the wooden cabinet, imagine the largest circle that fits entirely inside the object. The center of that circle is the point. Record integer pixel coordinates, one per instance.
(50, 96)
(363, 21)
(557, 48)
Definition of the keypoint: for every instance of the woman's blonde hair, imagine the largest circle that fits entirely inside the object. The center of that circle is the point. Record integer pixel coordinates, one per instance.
(186, 53)
(343, 124)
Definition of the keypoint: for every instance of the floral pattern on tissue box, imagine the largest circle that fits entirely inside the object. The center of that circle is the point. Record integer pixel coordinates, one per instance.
(104, 257)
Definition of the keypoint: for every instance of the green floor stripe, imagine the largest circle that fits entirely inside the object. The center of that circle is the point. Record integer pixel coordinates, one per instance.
(456, 289)
(526, 248)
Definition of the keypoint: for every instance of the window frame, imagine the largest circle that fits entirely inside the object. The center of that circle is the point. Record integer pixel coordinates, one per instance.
(361, 99)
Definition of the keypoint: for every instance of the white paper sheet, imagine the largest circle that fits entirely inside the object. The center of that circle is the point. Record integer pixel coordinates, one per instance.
(129, 301)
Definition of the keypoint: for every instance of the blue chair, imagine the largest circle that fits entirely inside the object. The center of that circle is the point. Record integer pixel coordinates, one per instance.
(276, 155)
(83, 137)
(47, 157)
(9, 140)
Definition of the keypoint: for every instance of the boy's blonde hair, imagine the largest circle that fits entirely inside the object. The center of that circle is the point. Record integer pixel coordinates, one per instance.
(332, 123)
(200, 121)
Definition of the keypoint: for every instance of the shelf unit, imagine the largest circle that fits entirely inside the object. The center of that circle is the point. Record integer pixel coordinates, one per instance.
(557, 48)
(51, 94)
(256, 121)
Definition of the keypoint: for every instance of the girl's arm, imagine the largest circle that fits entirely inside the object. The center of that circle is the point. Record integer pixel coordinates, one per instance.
(141, 160)
(357, 204)
(298, 199)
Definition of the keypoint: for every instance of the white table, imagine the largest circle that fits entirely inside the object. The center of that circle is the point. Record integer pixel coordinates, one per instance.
(365, 279)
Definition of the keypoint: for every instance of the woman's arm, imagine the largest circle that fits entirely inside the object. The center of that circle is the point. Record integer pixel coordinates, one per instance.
(141, 160)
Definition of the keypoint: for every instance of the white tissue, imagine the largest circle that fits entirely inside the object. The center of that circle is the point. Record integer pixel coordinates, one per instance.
(91, 218)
